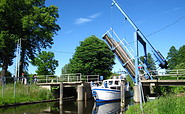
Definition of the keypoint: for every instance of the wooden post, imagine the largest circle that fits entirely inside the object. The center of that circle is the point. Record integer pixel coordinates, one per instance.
(122, 94)
(61, 94)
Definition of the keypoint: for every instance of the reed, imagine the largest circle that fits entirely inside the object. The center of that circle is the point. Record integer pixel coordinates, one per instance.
(10, 94)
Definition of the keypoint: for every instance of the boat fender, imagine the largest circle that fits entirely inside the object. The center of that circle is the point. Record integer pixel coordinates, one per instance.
(94, 93)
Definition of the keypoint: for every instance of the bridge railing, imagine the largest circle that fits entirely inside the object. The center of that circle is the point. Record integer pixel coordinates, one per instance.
(78, 77)
(169, 74)
(67, 78)
(51, 78)
(70, 77)
(89, 78)
(47, 78)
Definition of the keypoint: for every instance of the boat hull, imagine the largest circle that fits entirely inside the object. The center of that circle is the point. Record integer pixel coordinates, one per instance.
(106, 95)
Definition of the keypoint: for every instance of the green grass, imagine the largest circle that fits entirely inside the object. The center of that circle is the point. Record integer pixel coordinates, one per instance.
(163, 105)
(23, 93)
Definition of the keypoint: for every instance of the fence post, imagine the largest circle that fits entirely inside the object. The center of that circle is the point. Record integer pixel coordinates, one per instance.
(2, 80)
(15, 81)
(61, 93)
(80, 77)
(177, 75)
(68, 78)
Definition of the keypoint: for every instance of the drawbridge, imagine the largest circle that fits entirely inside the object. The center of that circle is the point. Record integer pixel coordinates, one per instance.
(124, 58)
(128, 57)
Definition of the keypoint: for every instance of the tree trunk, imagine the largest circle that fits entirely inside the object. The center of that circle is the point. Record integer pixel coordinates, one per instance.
(22, 60)
(4, 69)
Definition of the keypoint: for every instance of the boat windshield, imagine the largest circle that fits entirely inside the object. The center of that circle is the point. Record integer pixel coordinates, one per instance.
(110, 82)
(116, 82)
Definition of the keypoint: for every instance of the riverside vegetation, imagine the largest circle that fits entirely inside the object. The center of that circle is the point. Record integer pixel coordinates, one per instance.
(173, 104)
(172, 101)
(23, 93)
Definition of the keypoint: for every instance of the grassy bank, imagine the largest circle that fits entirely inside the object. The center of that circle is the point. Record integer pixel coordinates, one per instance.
(10, 94)
(173, 104)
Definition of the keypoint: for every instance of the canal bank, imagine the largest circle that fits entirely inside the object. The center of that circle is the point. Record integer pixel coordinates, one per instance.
(172, 104)
(11, 94)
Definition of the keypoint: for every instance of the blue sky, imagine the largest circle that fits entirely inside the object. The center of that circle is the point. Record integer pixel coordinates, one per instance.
(80, 19)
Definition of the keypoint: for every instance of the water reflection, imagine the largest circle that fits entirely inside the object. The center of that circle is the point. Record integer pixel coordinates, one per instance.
(68, 107)
(106, 108)
(110, 108)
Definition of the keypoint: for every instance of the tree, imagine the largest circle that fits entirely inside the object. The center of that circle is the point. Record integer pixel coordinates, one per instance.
(150, 61)
(65, 69)
(181, 54)
(172, 57)
(46, 63)
(176, 58)
(10, 22)
(6, 53)
(93, 56)
(28, 20)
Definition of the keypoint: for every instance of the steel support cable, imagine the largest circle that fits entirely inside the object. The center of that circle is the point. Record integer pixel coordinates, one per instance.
(166, 26)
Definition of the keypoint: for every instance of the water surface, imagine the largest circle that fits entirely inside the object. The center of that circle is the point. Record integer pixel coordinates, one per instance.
(68, 107)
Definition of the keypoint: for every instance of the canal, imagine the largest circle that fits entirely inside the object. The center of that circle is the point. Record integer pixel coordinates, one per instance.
(68, 107)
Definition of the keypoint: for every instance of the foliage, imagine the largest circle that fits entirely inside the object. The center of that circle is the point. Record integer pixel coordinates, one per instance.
(65, 69)
(24, 93)
(176, 58)
(150, 62)
(93, 56)
(164, 105)
(129, 79)
(46, 63)
(28, 20)
(166, 90)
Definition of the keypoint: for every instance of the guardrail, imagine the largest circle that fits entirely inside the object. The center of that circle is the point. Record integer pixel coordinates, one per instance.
(176, 74)
(50, 78)
(67, 78)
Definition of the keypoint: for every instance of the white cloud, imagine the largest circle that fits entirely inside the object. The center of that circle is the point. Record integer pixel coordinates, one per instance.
(95, 15)
(82, 20)
(90, 18)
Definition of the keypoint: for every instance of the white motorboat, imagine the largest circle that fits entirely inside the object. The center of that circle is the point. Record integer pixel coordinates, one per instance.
(109, 90)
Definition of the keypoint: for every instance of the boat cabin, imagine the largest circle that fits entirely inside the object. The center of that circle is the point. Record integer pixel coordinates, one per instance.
(112, 83)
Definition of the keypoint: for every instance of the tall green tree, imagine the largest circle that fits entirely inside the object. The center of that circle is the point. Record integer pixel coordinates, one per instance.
(6, 53)
(10, 22)
(172, 57)
(150, 61)
(65, 69)
(45, 62)
(93, 56)
(28, 20)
